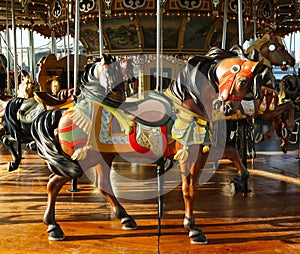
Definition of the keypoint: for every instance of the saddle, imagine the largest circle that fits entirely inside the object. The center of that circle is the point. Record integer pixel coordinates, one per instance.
(154, 110)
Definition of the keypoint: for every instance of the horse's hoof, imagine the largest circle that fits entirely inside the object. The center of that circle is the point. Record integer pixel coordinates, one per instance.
(197, 237)
(55, 233)
(284, 149)
(128, 223)
(12, 166)
(238, 185)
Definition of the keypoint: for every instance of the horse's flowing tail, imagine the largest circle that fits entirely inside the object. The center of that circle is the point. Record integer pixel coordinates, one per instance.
(48, 147)
(11, 123)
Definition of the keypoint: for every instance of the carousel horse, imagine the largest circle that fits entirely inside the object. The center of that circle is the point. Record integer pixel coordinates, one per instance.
(290, 90)
(169, 125)
(271, 49)
(18, 116)
(20, 112)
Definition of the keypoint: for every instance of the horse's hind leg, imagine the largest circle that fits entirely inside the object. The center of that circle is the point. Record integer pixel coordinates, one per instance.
(190, 171)
(241, 185)
(105, 188)
(16, 154)
(54, 185)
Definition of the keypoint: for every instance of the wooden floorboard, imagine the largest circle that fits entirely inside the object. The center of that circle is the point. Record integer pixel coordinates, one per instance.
(267, 220)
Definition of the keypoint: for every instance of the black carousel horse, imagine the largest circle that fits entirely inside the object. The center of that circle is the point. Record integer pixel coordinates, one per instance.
(21, 111)
(171, 125)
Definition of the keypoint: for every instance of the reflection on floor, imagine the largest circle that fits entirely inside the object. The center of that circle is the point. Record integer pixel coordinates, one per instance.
(267, 220)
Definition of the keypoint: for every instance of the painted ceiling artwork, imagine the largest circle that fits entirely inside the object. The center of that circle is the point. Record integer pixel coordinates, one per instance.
(129, 26)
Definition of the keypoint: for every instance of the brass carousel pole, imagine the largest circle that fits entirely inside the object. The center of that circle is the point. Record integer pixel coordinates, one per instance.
(100, 29)
(255, 19)
(158, 47)
(224, 24)
(240, 22)
(68, 5)
(14, 45)
(32, 52)
(76, 46)
(159, 87)
(76, 68)
(7, 38)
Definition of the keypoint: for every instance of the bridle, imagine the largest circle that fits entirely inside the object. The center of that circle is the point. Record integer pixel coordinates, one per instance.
(227, 80)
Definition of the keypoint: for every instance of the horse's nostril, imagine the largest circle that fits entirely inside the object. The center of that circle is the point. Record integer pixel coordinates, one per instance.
(217, 104)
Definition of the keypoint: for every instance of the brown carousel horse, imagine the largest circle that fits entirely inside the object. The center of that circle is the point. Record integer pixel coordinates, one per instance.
(169, 125)
(271, 49)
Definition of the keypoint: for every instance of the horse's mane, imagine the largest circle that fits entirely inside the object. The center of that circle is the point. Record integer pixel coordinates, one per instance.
(109, 93)
(220, 54)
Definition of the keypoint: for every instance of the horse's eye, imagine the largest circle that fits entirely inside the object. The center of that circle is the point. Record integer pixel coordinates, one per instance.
(235, 68)
(242, 82)
(272, 47)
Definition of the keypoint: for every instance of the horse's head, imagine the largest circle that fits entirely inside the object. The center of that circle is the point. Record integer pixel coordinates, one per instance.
(105, 78)
(126, 65)
(26, 87)
(272, 49)
(235, 80)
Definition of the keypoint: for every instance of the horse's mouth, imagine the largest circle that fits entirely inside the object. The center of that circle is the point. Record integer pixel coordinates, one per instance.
(223, 108)
(284, 67)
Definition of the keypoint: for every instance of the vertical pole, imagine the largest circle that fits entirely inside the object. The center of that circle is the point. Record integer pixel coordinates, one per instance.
(68, 43)
(53, 44)
(32, 53)
(240, 22)
(158, 48)
(76, 45)
(224, 24)
(15, 45)
(8, 58)
(100, 29)
(254, 19)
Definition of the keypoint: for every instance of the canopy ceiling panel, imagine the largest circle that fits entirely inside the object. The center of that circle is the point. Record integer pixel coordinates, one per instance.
(130, 25)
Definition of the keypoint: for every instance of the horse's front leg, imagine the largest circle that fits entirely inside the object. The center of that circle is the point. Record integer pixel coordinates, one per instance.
(190, 171)
(241, 185)
(105, 188)
(54, 186)
(16, 154)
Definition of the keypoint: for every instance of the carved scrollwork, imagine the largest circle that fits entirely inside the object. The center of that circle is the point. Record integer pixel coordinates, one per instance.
(86, 5)
(190, 4)
(266, 9)
(233, 5)
(134, 3)
(57, 9)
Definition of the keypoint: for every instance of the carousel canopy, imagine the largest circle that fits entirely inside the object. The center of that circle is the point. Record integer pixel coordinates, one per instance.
(130, 25)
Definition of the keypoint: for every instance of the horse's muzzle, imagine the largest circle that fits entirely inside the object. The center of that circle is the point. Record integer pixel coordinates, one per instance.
(225, 109)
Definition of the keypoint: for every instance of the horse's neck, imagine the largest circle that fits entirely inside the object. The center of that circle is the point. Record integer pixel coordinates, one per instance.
(185, 101)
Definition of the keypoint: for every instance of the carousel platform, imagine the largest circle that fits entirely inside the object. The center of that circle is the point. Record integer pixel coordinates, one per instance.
(267, 220)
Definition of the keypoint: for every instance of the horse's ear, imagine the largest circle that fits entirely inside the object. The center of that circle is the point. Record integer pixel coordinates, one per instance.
(261, 76)
(253, 55)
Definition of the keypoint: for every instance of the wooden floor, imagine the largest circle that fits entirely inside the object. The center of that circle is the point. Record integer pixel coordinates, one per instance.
(267, 220)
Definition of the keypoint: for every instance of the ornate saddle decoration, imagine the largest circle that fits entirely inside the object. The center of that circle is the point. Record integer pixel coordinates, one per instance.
(269, 99)
(29, 110)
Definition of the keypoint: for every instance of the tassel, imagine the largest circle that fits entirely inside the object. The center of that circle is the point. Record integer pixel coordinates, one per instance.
(272, 104)
(263, 105)
(205, 149)
(182, 155)
(81, 153)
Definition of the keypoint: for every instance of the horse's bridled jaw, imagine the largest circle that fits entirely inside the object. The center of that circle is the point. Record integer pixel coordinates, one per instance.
(224, 108)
